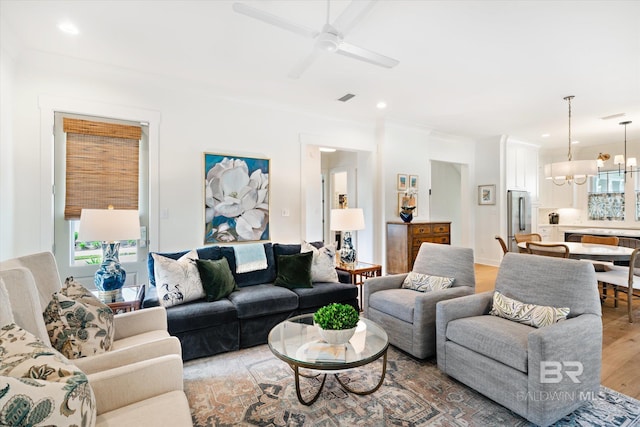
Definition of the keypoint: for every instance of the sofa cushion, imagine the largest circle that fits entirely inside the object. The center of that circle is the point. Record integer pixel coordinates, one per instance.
(294, 271)
(200, 314)
(493, 337)
(323, 267)
(78, 323)
(325, 293)
(398, 303)
(426, 283)
(178, 281)
(217, 279)
(528, 314)
(292, 248)
(261, 300)
(39, 386)
(253, 277)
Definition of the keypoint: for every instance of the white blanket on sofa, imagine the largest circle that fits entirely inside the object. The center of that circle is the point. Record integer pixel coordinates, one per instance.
(250, 257)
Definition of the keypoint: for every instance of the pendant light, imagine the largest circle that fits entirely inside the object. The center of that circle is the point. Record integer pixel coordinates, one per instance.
(571, 171)
(619, 158)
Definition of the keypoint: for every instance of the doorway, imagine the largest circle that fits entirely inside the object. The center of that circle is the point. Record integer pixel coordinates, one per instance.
(446, 196)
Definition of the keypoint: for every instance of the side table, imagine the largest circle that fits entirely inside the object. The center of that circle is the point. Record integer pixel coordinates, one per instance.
(128, 299)
(359, 272)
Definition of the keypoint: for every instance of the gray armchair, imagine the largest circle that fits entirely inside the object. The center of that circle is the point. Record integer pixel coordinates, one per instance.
(409, 316)
(542, 373)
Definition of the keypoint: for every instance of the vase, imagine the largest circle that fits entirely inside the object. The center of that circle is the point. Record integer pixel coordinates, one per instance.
(406, 216)
(337, 336)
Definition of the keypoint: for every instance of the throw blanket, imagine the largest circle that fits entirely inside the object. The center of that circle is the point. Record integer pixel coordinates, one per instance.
(250, 257)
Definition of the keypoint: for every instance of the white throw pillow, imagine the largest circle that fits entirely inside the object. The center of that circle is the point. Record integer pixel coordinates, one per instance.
(426, 283)
(323, 267)
(6, 315)
(177, 281)
(528, 314)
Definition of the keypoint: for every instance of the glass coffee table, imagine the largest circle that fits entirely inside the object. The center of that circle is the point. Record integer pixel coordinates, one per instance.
(297, 342)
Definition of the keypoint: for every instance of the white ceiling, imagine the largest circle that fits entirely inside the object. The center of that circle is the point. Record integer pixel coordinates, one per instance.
(472, 68)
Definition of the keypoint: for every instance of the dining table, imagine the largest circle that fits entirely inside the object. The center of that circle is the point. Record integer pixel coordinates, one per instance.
(591, 251)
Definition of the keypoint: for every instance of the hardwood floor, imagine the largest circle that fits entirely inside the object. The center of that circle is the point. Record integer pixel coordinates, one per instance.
(621, 339)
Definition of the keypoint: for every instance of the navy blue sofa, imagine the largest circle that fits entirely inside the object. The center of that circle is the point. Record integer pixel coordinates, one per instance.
(246, 316)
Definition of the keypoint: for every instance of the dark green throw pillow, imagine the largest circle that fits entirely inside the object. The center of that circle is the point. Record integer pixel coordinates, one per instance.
(294, 271)
(217, 279)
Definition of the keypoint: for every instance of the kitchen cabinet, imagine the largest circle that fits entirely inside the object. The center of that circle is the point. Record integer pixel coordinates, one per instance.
(522, 168)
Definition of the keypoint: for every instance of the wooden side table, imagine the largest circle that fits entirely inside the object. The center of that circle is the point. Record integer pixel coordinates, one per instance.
(129, 299)
(359, 272)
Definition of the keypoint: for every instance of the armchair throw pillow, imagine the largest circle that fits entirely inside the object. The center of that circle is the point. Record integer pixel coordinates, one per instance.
(38, 386)
(537, 316)
(323, 268)
(294, 271)
(217, 279)
(177, 281)
(78, 323)
(426, 283)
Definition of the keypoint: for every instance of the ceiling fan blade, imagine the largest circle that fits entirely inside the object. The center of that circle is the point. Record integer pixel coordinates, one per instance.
(272, 19)
(302, 66)
(363, 54)
(352, 14)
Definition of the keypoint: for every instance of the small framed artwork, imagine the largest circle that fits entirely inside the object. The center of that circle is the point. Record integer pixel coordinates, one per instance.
(402, 182)
(413, 182)
(486, 194)
(408, 200)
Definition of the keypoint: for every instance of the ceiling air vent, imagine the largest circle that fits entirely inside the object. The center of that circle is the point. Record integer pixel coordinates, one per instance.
(346, 97)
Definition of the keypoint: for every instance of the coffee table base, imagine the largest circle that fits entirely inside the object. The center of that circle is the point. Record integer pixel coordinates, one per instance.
(297, 374)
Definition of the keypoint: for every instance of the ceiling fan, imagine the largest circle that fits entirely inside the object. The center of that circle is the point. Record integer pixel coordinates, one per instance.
(330, 38)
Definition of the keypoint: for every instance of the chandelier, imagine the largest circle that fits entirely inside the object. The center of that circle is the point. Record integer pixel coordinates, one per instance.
(571, 171)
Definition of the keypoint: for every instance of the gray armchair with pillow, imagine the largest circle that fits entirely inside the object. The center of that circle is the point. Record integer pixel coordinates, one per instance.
(31, 281)
(407, 315)
(524, 356)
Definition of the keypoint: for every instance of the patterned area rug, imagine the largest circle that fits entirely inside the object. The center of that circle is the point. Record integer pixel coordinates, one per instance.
(252, 387)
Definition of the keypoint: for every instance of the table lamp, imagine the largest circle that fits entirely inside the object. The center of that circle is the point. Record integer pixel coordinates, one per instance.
(347, 220)
(109, 226)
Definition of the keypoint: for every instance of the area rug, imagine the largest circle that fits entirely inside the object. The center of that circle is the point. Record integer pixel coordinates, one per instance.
(252, 387)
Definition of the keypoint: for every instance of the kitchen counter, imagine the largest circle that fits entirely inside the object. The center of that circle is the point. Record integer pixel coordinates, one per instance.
(620, 232)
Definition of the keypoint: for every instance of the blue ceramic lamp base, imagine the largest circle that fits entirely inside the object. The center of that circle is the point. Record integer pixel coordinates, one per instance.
(347, 252)
(110, 277)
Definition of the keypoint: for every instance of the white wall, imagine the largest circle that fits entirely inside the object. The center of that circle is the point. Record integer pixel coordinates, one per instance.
(446, 186)
(193, 121)
(491, 219)
(7, 200)
(409, 150)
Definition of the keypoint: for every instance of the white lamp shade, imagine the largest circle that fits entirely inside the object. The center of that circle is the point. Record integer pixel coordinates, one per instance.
(573, 168)
(631, 162)
(618, 159)
(347, 219)
(108, 225)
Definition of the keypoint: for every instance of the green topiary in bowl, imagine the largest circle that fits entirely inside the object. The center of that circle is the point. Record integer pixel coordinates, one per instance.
(336, 317)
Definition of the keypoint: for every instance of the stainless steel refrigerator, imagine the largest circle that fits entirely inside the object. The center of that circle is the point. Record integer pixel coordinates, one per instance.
(518, 216)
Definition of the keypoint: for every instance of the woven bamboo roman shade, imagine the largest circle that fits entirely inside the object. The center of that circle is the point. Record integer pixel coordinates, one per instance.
(102, 166)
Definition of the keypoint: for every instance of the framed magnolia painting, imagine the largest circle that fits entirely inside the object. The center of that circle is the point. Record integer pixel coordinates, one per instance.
(236, 198)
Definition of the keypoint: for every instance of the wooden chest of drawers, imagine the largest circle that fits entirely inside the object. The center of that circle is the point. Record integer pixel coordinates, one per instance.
(404, 240)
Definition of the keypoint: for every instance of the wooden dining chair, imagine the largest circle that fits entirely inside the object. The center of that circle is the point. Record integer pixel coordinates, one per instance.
(599, 240)
(530, 237)
(503, 245)
(557, 250)
(624, 281)
(629, 242)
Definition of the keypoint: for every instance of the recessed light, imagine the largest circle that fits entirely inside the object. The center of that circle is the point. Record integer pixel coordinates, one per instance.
(381, 105)
(575, 142)
(545, 135)
(68, 28)
(327, 150)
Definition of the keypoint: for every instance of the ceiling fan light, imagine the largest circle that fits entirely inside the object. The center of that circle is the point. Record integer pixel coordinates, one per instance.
(328, 42)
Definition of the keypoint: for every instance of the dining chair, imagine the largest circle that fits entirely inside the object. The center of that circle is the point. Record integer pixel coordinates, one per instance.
(557, 250)
(503, 245)
(623, 278)
(530, 237)
(599, 240)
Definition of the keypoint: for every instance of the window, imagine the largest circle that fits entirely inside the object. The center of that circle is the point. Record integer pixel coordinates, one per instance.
(606, 196)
